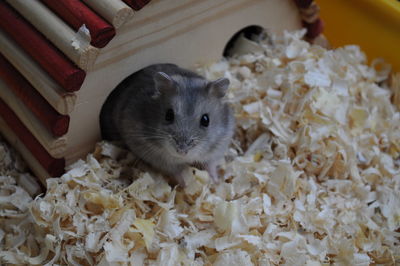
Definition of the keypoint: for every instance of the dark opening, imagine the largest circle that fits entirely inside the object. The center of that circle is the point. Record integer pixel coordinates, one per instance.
(254, 33)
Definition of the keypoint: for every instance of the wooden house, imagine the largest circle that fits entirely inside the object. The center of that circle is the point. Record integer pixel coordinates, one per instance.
(60, 59)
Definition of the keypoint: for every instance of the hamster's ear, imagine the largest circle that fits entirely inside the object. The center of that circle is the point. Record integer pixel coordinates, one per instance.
(218, 87)
(163, 83)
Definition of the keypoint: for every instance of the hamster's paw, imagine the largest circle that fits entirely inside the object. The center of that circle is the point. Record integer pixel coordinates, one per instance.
(180, 181)
(211, 168)
(178, 177)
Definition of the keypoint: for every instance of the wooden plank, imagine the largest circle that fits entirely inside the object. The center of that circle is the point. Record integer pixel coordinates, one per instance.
(56, 64)
(56, 123)
(30, 160)
(165, 21)
(54, 167)
(54, 146)
(60, 100)
(59, 33)
(76, 13)
(114, 11)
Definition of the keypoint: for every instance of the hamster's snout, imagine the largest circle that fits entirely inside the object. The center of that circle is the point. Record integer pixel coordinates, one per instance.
(183, 145)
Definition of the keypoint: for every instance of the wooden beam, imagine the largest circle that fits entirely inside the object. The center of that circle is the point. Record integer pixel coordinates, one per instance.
(114, 11)
(76, 13)
(55, 167)
(55, 146)
(51, 59)
(30, 160)
(62, 101)
(56, 123)
(59, 33)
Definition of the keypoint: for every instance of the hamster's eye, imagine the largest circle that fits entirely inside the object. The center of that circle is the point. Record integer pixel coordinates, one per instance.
(169, 116)
(204, 121)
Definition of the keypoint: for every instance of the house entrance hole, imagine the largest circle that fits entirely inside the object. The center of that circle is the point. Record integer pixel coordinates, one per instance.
(253, 33)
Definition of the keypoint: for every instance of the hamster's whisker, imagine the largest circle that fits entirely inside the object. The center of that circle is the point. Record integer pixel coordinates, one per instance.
(153, 129)
(202, 148)
(144, 139)
(146, 134)
(148, 137)
(149, 152)
(152, 133)
(145, 151)
(147, 131)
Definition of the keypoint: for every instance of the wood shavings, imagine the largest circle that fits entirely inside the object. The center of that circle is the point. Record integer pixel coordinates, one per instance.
(312, 178)
(82, 38)
(13, 167)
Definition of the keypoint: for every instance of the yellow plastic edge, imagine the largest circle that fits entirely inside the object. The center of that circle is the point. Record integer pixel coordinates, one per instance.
(372, 24)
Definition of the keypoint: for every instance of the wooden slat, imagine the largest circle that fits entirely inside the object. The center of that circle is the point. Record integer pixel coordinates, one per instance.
(59, 33)
(56, 123)
(76, 13)
(114, 11)
(54, 167)
(60, 100)
(54, 146)
(30, 160)
(52, 60)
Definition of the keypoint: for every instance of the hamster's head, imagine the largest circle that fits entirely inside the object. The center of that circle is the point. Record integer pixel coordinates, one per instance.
(192, 121)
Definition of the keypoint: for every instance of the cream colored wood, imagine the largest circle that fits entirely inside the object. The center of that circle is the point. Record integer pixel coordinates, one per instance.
(60, 100)
(184, 32)
(395, 87)
(55, 146)
(30, 160)
(59, 33)
(114, 11)
(85, 135)
(161, 21)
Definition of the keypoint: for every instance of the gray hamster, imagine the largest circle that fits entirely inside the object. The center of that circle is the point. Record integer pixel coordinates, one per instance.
(170, 118)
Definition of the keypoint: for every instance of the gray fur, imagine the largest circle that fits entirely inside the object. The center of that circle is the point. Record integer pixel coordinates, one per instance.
(134, 113)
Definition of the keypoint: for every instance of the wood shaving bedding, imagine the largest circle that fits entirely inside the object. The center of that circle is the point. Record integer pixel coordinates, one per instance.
(312, 178)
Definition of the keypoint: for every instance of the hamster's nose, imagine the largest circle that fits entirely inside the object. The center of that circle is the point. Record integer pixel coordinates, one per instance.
(183, 146)
(182, 149)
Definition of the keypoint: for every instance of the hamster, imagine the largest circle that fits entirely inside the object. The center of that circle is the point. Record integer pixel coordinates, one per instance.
(170, 118)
